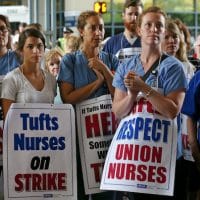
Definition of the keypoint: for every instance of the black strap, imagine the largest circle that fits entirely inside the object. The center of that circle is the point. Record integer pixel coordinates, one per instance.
(155, 64)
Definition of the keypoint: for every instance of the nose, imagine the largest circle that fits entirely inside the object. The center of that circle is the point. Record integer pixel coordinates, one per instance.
(171, 39)
(133, 17)
(98, 29)
(154, 28)
(35, 49)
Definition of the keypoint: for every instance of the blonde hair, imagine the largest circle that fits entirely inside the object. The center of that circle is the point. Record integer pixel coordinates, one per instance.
(54, 54)
(72, 43)
(172, 27)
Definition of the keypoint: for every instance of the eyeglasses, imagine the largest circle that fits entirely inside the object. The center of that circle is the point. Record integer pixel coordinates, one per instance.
(3, 29)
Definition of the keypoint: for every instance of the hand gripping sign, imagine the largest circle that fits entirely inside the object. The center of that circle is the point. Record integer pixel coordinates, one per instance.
(39, 157)
(142, 155)
(96, 126)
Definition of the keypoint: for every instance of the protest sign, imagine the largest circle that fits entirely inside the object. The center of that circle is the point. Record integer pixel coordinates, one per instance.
(142, 155)
(187, 153)
(39, 152)
(96, 126)
(1, 144)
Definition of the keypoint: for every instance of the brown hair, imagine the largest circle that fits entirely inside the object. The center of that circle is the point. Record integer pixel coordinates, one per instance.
(153, 9)
(133, 3)
(37, 26)
(81, 22)
(6, 21)
(30, 32)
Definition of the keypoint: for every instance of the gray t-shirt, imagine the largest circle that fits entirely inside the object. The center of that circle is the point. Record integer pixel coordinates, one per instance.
(16, 87)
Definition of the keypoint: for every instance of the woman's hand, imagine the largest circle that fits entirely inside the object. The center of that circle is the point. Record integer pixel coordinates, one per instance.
(100, 77)
(96, 63)
(133, 82)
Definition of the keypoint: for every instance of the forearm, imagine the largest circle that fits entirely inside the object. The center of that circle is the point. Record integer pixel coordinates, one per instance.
(78, 95)
(6, 103)
(108, 79)
(122, 107)
(165, 105)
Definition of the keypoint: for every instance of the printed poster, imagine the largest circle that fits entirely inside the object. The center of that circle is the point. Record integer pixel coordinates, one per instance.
(1, 144)
(39, 152)
(96, 125)
(142, 155)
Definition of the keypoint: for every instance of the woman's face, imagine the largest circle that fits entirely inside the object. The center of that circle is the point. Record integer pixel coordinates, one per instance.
(93, 32)
(171, 43)
(4, 33)
(152, 28)
(33, 50)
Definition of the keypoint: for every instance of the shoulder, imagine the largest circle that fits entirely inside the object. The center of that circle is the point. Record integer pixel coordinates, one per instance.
(72, 57)
(13, 78)
(114, 40)
(129, 64)
(196, 79)
(109, 59)
(14, 73)
(49, 75)
(171, 63)
(115, 37)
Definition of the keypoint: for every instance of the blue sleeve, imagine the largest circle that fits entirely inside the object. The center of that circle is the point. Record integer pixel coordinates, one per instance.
(115, 62)
(110, 60)
(173, 77)
(66, 73)
(191, 104)
(118, 81)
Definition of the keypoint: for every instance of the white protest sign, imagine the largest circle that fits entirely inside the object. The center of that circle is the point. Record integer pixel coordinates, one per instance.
(187, 153)
(1, 144)
(39, 152)
(142, 155)
(96, 126)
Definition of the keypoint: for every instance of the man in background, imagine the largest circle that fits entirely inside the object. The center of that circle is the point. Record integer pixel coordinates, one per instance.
(127, 43)
(62, 41)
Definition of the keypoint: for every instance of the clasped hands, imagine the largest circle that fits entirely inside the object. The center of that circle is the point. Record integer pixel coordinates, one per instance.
(133, 82)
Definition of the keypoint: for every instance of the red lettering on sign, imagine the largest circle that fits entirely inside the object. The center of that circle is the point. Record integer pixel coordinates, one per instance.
(142, 173)
(40, 182)
(143, 105)
(136, 152)
(102, 124)
(97, 167)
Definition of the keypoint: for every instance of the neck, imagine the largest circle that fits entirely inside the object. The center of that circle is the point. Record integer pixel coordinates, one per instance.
(129, 35)
(147, 60)
(30, 67)
(91, 52)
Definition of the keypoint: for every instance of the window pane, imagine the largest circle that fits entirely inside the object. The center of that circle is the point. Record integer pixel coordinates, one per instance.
(172, 5)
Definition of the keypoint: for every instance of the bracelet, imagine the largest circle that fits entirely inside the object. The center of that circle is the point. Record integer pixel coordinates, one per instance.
(149, 92)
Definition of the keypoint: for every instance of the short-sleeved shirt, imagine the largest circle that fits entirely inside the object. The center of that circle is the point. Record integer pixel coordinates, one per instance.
(170, 76)
(118, 45)
(191, 104)
(9, 61)
(16, 87)
(74, 70)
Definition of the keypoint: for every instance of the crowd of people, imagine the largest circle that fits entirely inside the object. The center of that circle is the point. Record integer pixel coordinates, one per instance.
(78, 68)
